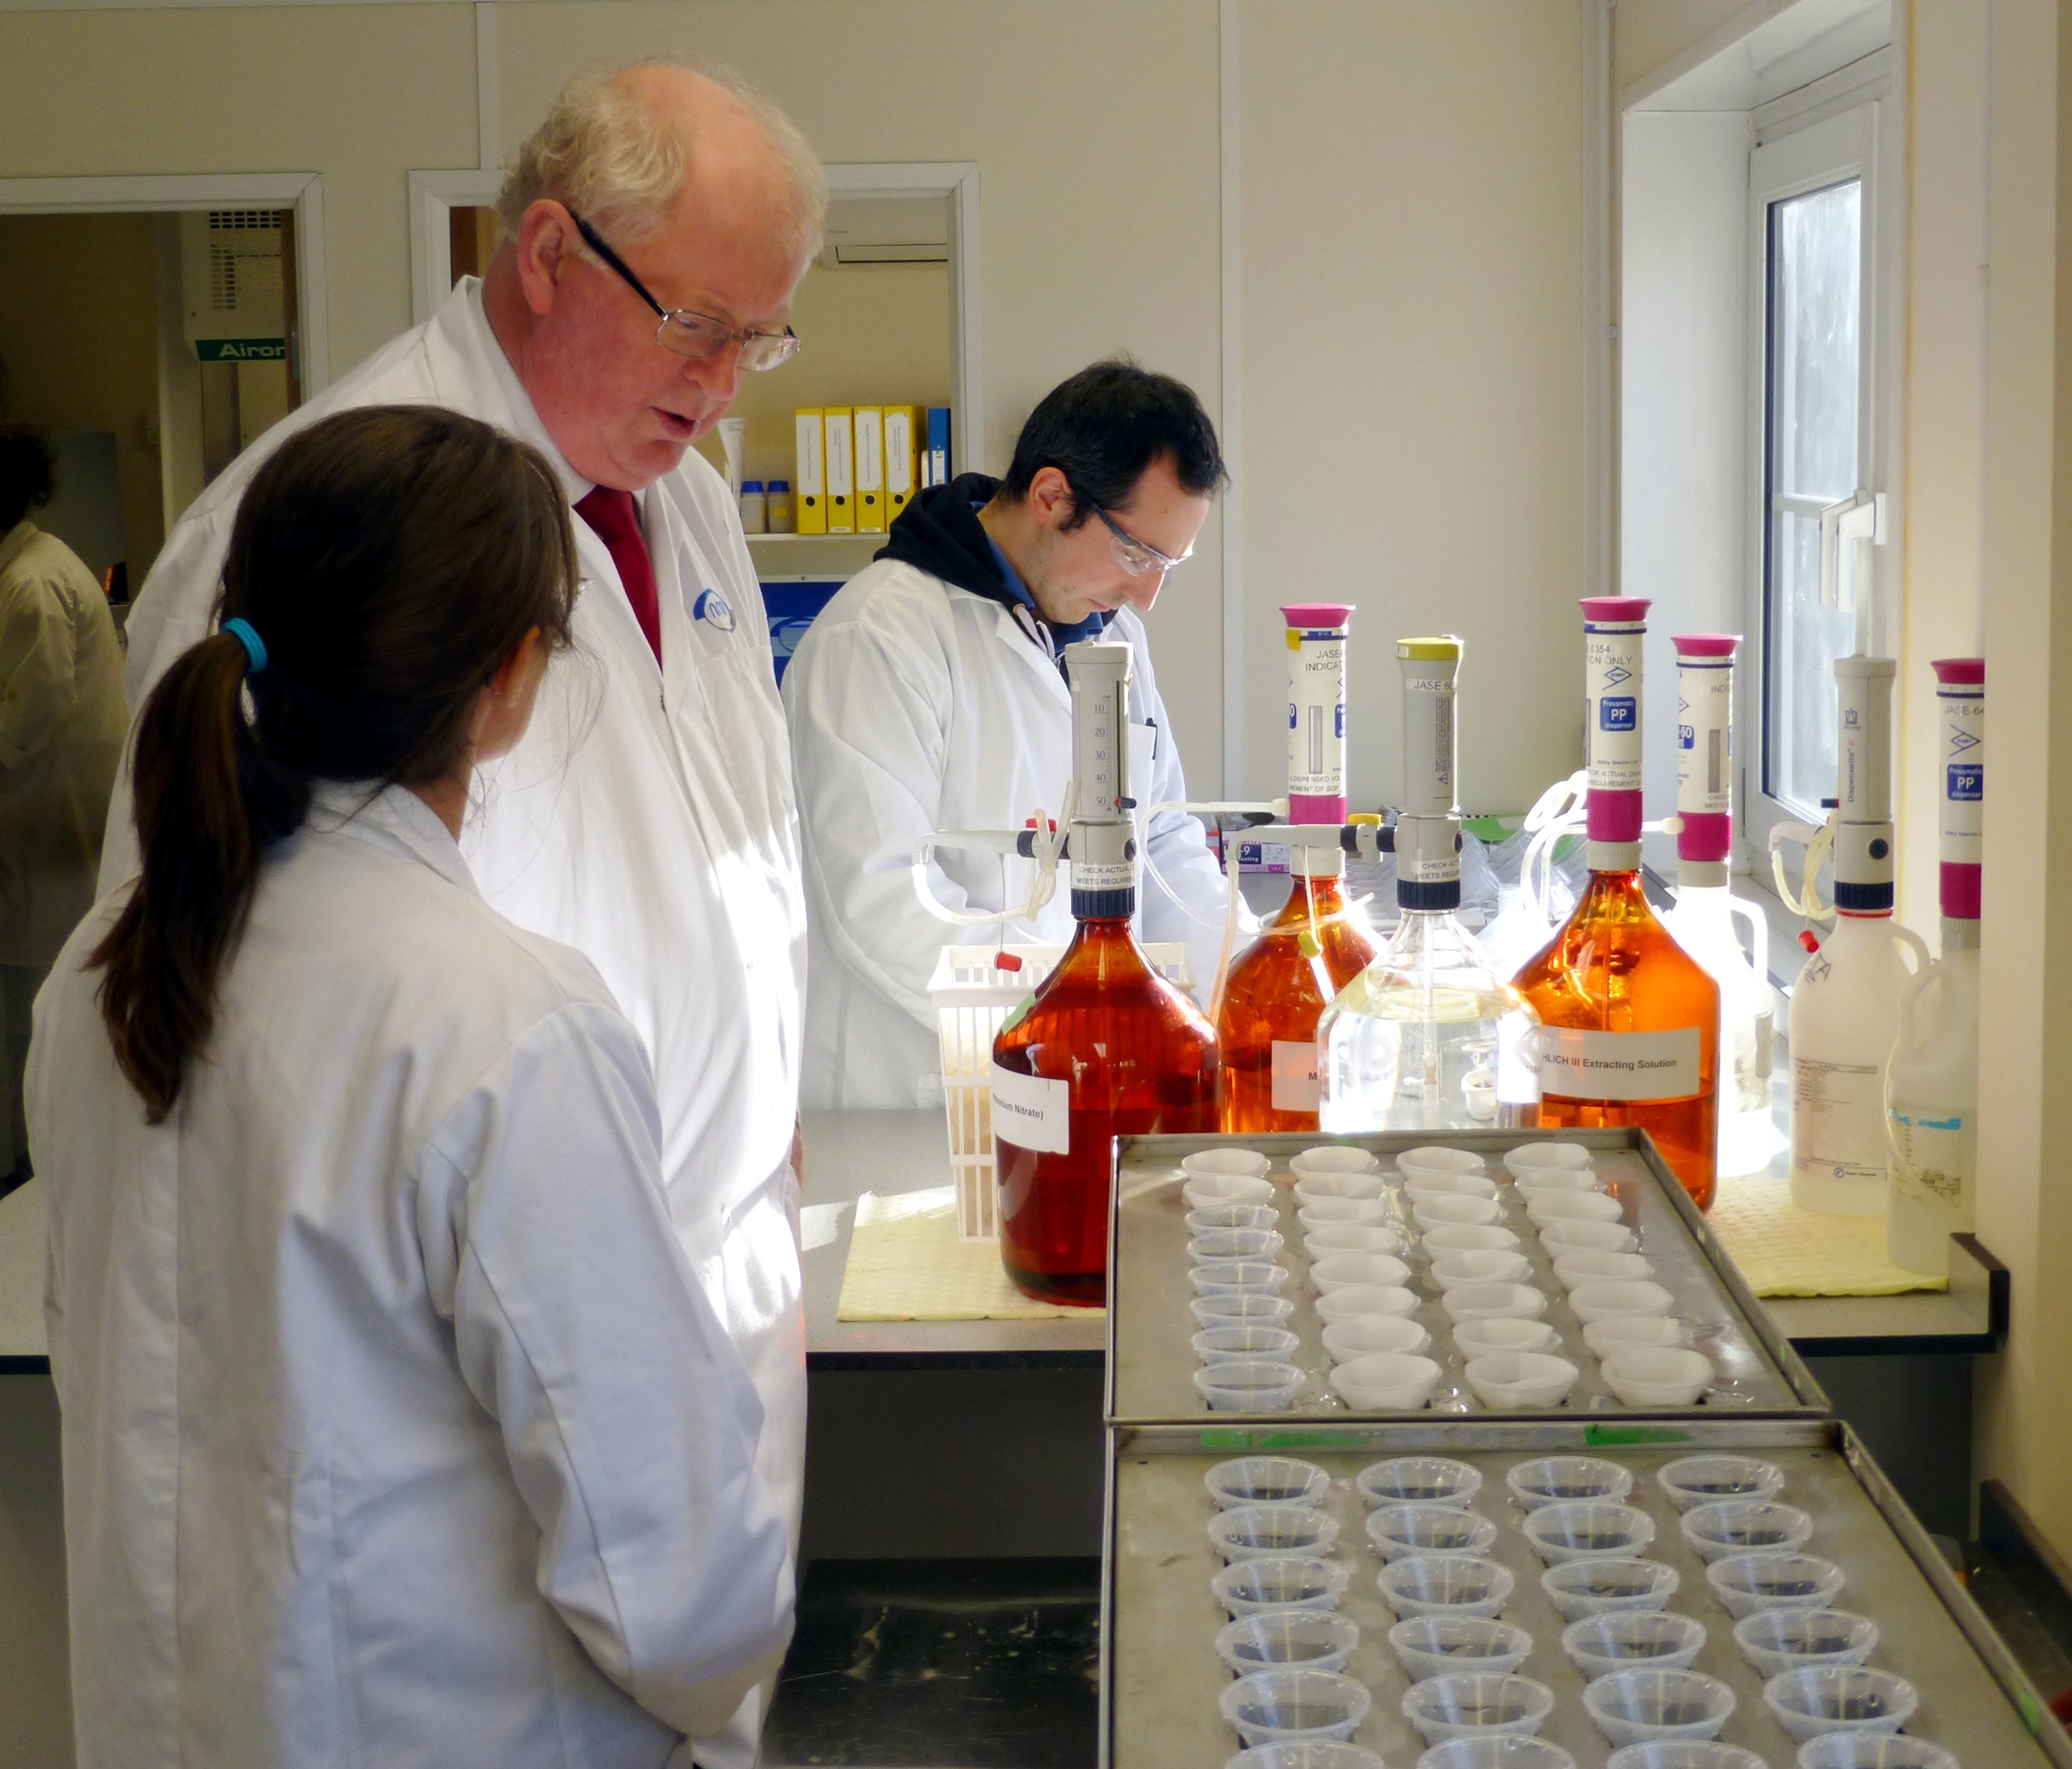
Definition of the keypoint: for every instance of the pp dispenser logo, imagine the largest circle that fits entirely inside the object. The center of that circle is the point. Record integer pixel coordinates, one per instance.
(1967, 781)
(1618, 712)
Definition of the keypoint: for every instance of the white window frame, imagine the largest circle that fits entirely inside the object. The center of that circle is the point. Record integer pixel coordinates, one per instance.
(433, 195)
(1805, 143)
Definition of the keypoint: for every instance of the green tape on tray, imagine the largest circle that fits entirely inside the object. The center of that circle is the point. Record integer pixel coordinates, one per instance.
(1234, 1437)
(1628, 1437)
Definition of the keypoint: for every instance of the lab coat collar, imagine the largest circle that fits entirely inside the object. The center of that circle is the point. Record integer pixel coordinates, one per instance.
(464, 321)
(392, 817)
(14, 540)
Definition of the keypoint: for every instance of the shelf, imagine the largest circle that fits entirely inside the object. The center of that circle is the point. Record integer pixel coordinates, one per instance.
(779, 555)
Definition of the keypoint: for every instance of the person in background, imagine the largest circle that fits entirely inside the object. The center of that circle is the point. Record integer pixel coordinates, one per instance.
(654, 228)
(396, 1427)
(61, 736)
(931, 694)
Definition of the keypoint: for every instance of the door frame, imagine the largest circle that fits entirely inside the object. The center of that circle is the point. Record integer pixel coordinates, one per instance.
(433, 194)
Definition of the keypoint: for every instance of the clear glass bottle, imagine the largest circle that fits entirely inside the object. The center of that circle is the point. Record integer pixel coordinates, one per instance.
(1427, 1037)
(1277, 990)
(1130, 1055)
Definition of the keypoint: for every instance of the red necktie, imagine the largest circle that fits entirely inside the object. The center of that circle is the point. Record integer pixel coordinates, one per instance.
(612, 518)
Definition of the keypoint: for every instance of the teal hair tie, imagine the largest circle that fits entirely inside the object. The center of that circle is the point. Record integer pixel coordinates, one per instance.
(247, 635)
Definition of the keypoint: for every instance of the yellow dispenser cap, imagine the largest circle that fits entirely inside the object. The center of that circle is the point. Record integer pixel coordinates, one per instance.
(1445, 645)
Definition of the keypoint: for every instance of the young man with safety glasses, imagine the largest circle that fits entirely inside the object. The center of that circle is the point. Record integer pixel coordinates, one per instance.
(931, 694)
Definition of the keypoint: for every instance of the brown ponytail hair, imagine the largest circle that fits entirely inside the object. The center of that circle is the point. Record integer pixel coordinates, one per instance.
(391, 559)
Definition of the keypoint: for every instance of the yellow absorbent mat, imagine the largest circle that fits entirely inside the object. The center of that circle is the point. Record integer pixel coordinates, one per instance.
(1783, 1250)
(907, 1263)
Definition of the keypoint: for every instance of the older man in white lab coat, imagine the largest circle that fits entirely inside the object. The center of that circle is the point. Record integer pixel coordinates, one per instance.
(930, 695)
(655, 227)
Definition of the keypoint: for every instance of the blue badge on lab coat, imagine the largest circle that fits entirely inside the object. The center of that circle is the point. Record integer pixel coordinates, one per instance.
(712, 605)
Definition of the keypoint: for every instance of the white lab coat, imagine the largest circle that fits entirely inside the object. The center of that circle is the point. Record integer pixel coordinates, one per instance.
(61, 733)
(396, 1429)
(648, 820)
(916, 706)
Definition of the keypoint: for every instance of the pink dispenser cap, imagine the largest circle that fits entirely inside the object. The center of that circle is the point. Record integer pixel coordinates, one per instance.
(1320, 614)
(1616, 609)
(1705, 644)
(1705, 836)
(1960, 672)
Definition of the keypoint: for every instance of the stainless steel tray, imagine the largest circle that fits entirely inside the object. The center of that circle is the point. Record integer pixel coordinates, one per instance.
(1152, 1365)
(1161, 1675)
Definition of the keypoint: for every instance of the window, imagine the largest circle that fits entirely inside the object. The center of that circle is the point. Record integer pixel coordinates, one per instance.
(1812, 235)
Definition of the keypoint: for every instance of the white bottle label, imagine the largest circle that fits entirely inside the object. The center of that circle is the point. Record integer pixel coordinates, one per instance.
(1316, 713)
(1705, 740)
(1611, 737)
(1838, 1120)
(1963, 775)
(1296, 1087)
(1031, 1112)
(1626, 1066)
(1931, 1147)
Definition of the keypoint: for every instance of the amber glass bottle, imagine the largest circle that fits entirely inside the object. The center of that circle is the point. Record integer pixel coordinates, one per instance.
(1106, 1047)
(1614, 968)
(1278, 988)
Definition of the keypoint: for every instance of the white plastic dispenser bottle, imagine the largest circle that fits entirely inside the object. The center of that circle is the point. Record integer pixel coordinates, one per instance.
(1702, 919)
(1428, 1036)
(1847, 999)
(1932, 1086)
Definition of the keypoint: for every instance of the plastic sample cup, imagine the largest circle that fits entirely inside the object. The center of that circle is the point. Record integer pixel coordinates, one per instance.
(1399, 1532)
(1216, 1244)
(1313, 1186)
(1745, 1526)
(1386, 1381)
(1839, 1698)
(1588, 1530)
(1545, 1207)
(1521, 1379)
(1436, 1211)
(1580, 1589)
(1353, 1237)
(1632, 1639)
(1286, 1705)
(1683, 1753)
(1532, 1157)
(1601, 1301)
(1366, 1299)
(1309, 1753)
(1450, 1269)
(1530, 1184)
(1697, 1481)
(1872, 1750)
(1258, 1532)
(1289, 1582)
(1436, 1158)
(1657, 1376)
(1248, 1387)
(1482, 1302)
(1222, 1277)
(1573, 1235)
(1365, 1334)
(1205, 1191)
(1496, 1750)
(1342, 1271)
(1334, 1158)
(1244, 1345)
(1372, 1212)
(1218, 1161)
(1231, 1215)
(1778, 1641)
(1433, 1646)
(1419, 1481)
(1241, 1308)
(1555, 1479)
(1504, 1332)
(1421, 1185)
(1316, 1640)
(1469, 1238)
(1464, 1704)
(1575, 1269)
(1745, 1583)
(1633, 1331)
(1632, 1707)
(1445, 1584)
(1247, 1480)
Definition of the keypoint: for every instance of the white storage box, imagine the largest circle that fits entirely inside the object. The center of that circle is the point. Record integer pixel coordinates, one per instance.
(973, 997)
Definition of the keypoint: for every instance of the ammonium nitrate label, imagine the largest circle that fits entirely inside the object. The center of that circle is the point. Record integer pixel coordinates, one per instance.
(1031, 1112)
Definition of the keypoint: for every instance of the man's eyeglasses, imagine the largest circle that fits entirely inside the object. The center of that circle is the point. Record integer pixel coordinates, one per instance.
(696, 336)
(1139, 558)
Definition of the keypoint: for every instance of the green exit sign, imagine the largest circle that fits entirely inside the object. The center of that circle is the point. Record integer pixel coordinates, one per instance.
(241, 350)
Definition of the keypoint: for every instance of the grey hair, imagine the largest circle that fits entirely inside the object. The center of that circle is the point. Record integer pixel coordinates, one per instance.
(603, 151)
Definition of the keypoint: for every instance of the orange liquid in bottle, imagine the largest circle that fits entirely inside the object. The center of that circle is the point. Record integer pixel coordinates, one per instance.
(1275, 996)
(1139, 1057)
(1615, 968)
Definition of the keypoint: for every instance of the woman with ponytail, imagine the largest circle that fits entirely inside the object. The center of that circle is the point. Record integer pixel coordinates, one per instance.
(396, 1428)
